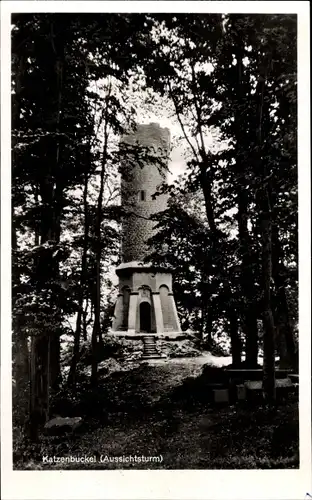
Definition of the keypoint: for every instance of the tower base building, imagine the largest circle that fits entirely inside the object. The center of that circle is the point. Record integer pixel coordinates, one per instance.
(145, 304)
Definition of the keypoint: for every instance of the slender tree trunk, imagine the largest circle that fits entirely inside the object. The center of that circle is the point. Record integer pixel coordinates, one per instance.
(249, 323)
(206, 184)
(208, 327)
(37, 225)
(265, 211)
(16, 97)
(20, 351)
(204, 313)
(75, 359)
(57, 197)
(50, 231)
(96, 333)
(54, 352)
(39, 403)
(21, 377)
(234, 335)
(16, 112)
(39, 377)
(269, 391)
(72, 372)
(285, 338)
(84, 320)
(55, 368)
(280, 342)
(251, 331)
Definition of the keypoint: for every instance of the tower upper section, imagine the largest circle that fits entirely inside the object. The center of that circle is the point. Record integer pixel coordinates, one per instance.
(138, 185)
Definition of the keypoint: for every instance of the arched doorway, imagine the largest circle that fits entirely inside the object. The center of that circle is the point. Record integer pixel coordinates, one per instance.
(145, 317)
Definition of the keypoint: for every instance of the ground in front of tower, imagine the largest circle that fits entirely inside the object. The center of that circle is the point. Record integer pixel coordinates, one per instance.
(156, 411)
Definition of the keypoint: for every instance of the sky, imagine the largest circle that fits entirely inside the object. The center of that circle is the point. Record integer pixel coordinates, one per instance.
(161, 115)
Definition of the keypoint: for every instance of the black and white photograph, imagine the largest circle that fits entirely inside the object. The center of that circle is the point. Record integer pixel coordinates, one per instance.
(154, 241)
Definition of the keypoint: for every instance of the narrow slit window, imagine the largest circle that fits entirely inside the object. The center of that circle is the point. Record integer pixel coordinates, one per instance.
(142, 195)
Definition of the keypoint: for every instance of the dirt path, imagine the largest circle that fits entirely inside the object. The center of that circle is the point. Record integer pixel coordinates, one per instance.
(194, 361)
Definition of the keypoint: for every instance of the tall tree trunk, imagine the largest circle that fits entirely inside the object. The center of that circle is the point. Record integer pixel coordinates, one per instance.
(205, 316)
(96, 332)
(249, 315)
(21, 375)
(16, 97)
(57, 194)
(50, 231)
(265, 211)
(37, 225)
(39, 399)
(45, 356)
(75, 359)
(54, 352)
(208, 325)
(280, 342)
(16, 125)
(234, 335)
(20, 350)
(269, 391)
(73, 367)
(251, 333)
(249, 323)
(84, 319)
(285, 338)
(206, 186)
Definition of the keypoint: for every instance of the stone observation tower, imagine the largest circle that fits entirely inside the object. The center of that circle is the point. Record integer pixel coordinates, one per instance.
(145, 303)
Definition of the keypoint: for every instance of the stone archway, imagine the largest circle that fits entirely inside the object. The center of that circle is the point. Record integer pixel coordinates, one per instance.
(145, 317)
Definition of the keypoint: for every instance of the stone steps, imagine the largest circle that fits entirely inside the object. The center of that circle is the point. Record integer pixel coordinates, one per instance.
(150, 350)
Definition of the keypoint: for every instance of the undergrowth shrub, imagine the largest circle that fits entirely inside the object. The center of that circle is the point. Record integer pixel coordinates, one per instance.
(178, 348)
(112, 347)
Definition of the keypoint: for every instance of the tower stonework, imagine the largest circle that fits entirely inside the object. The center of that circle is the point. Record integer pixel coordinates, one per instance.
(137, 189)
(145, 303)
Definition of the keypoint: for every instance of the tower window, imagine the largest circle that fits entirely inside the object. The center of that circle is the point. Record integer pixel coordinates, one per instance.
(142, 195)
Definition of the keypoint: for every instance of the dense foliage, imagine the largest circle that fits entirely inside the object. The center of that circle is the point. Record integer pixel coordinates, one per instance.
(231, 225)
(237, 75)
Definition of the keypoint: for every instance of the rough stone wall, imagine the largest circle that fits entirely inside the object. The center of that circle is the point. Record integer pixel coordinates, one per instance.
(144, 279)
(168, 310)
(165, 307)
(163, 279)
(138, 279)
(138, 228)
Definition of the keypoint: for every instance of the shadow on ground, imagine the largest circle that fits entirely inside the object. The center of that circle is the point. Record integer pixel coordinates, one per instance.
(165, 410)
